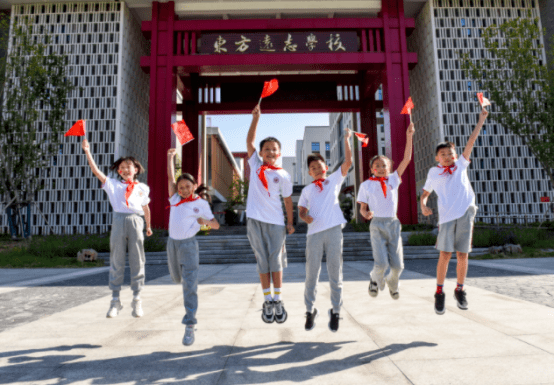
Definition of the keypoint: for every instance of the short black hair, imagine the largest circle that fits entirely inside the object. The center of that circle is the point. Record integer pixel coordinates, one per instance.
(445, 145)
(269, 139)
(115, 165)
(315, 157)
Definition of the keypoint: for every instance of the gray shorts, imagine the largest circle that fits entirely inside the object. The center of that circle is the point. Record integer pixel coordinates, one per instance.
(268, 242)
(457, 235)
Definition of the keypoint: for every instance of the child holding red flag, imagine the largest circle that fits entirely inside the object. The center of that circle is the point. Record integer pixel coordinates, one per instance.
(266, 224)
(325, 222)
(188, 213)
(129, 200)
(380, 193)
(457, 210)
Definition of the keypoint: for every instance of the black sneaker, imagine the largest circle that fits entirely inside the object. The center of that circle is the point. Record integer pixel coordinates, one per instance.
(439, 303)
(267, 312)
(310, 320)
(373, 289)
(333, 321)
(279, 310)
(461, 299)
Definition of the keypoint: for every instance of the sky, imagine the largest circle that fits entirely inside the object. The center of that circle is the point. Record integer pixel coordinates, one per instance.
(287, 128)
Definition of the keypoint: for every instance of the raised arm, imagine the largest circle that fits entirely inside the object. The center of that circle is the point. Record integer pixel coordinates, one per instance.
(97, 172)
(408, 151)
(251, 137)
(347, 153)
(171, 188)
(475, 134)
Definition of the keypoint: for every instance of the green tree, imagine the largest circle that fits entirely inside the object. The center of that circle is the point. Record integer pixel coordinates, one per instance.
(520, 84)
(35, 86)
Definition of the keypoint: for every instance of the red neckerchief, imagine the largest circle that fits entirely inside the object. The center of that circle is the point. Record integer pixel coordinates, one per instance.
(318, 183)
(183, 200)
(129, 190)
(450, 169)
(261, 175)
(382, 181)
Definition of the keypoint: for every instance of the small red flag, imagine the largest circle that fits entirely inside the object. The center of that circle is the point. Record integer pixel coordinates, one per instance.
(182, 132)
(269, 88)
(545, 199)
(363, 138)
(407, 109)
(482, 100)
(77, 130)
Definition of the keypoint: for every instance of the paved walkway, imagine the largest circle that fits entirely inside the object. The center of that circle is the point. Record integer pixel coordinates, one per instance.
(56, 332)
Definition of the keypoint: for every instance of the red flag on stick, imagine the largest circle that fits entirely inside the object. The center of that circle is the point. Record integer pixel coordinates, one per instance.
(182, 132)
(407, 109)
(269, 88)
(363, 138)
(482, 100)
(77, 130)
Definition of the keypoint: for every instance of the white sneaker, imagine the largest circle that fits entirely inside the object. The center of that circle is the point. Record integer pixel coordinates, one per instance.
(188, 339)
(115, 307)
(137, 308)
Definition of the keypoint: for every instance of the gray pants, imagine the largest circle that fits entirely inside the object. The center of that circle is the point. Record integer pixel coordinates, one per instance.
(127, 234)
(386, 243)
(268, 243)
(183, 259)
(330, 241)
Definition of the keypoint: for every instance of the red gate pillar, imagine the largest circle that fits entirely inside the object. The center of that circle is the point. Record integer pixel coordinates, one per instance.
(162, 107)
(396, 90)
(192, 151)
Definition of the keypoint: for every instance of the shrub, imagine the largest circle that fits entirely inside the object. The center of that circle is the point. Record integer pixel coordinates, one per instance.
(361, 227)
(417, 227)
(422, 239)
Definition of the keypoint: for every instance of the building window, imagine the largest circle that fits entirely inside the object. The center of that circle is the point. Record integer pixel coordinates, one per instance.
(315, 147)
(327, 150)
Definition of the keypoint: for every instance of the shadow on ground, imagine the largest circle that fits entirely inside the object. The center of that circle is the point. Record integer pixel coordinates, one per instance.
(277, 363)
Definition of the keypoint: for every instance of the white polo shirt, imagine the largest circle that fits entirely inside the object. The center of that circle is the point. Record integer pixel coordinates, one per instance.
(323, 206)
(182, 218)
(116, 190)
(371, 193)
(455, 194)
(262, 205)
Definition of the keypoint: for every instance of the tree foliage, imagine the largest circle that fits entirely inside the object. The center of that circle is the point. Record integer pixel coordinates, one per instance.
(35, 87)
(520, 85)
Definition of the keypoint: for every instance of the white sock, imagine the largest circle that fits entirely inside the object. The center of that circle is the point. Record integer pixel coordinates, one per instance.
(267, 294)
(277, 292)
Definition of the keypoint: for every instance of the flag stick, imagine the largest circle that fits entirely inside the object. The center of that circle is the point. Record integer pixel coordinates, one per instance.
(260, 101)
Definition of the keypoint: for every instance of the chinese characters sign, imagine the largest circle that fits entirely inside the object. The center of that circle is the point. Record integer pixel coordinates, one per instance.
(279, 42)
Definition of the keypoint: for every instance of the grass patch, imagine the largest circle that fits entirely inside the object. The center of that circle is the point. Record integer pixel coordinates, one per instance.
(526, 237)
(360, 227)
(61, 250)
(422, 239)
(417, 227)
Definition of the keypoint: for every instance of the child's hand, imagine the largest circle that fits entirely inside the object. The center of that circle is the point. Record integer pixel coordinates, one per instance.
(290, 229)
(411, 130)
(426, 211)
(148, 231)
(309, 219)
(85, 145)
(171, 153)
(347, 133)
(256, 112)
(483, 114)
(368, 215)
(201, 221)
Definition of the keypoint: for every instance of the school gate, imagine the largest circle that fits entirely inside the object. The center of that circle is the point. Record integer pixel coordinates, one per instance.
(193, 56)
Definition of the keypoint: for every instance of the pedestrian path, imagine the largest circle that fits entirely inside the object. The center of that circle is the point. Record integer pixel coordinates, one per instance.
(499, 340)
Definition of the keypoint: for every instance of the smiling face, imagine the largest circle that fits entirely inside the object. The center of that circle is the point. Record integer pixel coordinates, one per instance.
(380, 167)
(185, 188)
(270, 153)
(446, 156)
(317, 169)
(127, 170)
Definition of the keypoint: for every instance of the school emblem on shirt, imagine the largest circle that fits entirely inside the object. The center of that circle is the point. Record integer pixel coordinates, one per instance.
(196, 210)
(141, 194)
(276, 180)
(326, 182)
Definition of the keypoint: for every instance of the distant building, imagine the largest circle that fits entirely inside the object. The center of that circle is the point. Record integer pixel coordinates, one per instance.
(316, 140)
(289, 164)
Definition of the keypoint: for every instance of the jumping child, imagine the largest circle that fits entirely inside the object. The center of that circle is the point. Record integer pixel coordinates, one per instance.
(129, 200)
(266, 224)
(380, 194)
(188, 213)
